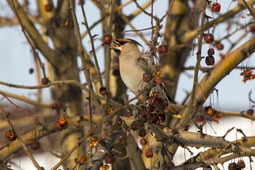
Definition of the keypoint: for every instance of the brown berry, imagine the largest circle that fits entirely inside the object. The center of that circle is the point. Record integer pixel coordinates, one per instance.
(142, 132)
(56, 105)
(147, 77)
(48, 7)
(162, 49)
(210, 51)
(252, 28)
(107, 39)
(241, 164)
(10, 135)
(219, 46)
(232, 166)
(209, 110)
(31, 71)
(250, 112)
(109, 159)
(45, 81)
(34, 144)
(143, 141)
(200, 118)
(81, 2)
(103, 91)
(216, 7)
(209, 60)
(209, 38)
(149, 153)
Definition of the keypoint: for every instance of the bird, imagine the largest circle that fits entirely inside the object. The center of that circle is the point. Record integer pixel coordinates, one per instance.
(135, 67)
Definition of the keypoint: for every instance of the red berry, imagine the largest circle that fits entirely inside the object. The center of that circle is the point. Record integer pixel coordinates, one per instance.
(103, 91)
(209, 60)
(210, 51)
(60, 123)
(209, 38)
(149, 153)
(10, 135)
(216, 7)
(162, 49)
(147, 77)
(45, 81)
(219, 46)
(107, 39)
(250, 112)
(48, 7)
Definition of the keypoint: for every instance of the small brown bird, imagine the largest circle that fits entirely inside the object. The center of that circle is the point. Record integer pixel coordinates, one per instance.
(133, 66)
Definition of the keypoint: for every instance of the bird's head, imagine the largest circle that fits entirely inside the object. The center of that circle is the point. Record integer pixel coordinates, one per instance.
(124, 45)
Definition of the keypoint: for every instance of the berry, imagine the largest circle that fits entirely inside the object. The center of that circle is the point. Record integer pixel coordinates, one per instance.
(34, 144)
(109, 159)
(116, 72)
(210, 51)
(219, 46)
(143, 141)
(56, 105)
(241, 164)
(61, 123)
(250, 112)
(107, 39)
(149, 153)
(45, 81)
(11, 135)
(81, 2)
(142, 132)
(103, 91)
(162, 49)
(84, 160)
(209, 60)
(209, 110)
(200, 118)
(48, 7)
(209, 38)
(31, 71)
(252, 28)
(233, 166)
(216, 7)
(147, 77)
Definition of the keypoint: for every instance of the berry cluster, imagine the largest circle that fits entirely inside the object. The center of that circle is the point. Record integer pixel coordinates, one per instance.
(247, 75)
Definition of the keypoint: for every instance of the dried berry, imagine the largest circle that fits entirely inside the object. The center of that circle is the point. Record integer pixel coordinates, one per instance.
(210, 51)
(109, 159)
(209, 60)
(162, 49)
(56, 105)
(48, 7)
(147, 77)
(143, 141)
(149, 153)
(142, 132)
(10, 135)
(34, 144)
(45, 81)
(219, 46)
(250, 112)
(103, 91)
(232, 166)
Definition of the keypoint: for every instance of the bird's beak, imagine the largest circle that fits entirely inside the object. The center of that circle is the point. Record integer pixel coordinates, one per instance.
(117, 46)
